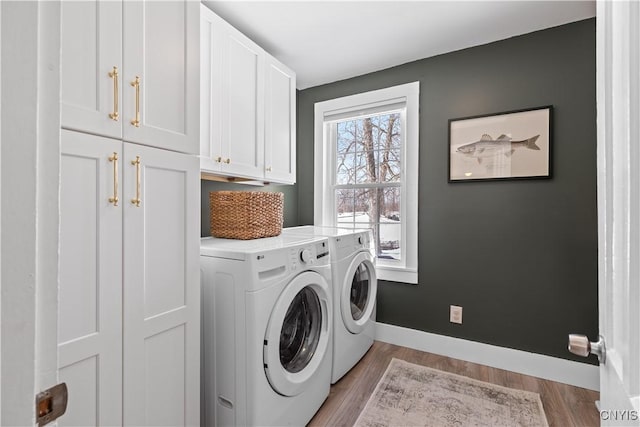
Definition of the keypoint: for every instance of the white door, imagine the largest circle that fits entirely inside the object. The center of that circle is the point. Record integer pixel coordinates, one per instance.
(91, 61)
(242, 107)
(161, 202)
(161, 74)
(280, 123)
(618, 85)
(90, 289)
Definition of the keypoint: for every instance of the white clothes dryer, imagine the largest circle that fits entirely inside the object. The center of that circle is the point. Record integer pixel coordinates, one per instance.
(355, 288)
(266, 330)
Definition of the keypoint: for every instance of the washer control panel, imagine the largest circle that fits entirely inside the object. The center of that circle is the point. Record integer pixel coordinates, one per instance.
(309, 255)
(305, 256)
(322, 250)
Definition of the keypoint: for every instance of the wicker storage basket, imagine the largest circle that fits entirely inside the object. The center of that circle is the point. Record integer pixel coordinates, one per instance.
(245, 214)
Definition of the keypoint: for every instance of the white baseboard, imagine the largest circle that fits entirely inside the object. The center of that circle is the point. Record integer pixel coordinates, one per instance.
(537, 365)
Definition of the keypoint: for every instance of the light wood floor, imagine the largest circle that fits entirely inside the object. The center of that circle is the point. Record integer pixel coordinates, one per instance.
(564, 405)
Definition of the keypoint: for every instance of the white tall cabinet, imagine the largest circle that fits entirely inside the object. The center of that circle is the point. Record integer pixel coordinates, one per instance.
(90, 269)
(129, 300)
(161, 296)
(247, 126)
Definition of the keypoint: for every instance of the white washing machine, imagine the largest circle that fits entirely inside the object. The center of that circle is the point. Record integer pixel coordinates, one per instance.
(355, 287)
(267, 328)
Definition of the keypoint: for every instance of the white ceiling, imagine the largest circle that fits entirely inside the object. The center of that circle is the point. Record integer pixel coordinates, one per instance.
(326, 41)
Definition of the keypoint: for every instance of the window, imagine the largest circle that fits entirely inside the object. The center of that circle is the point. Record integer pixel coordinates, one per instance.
(366, 172)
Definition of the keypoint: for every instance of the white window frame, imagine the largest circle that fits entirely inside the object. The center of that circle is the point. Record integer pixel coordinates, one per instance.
(406, 269)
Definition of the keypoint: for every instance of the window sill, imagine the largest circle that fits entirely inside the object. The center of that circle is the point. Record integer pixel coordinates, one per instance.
(393, 274)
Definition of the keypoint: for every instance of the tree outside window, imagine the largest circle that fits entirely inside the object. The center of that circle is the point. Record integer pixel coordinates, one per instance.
(369, 178)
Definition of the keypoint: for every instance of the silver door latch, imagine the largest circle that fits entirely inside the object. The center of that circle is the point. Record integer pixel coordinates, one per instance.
(51, 404)
(580, 345)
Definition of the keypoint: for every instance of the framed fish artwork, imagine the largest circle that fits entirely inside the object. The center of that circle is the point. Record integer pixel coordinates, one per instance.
(508, 145)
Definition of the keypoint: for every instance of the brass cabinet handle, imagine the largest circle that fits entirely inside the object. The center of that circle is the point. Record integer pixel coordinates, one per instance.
(114, 75)
(114, 159)
(227, 161)
(269, 169)
(218, 159)
(136, 163)
(136, 84)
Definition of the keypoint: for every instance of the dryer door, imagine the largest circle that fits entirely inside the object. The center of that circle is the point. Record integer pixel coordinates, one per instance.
(297, 335)
(358, 293)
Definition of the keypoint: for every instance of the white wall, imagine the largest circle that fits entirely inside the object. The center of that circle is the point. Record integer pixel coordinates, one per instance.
(29, 208)
(18, 146)
(47, 200)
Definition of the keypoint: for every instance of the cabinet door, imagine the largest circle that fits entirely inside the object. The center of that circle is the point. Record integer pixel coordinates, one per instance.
(91, 49)
(161, 288)
(161, 51)
(90, 289)
(210, 90)
(280, 123)
(242, 108)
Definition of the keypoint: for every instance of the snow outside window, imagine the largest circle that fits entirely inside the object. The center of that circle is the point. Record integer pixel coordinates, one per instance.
(366, 172)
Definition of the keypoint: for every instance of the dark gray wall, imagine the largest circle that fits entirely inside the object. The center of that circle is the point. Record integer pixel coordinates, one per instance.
(290, 200)
(519, 256)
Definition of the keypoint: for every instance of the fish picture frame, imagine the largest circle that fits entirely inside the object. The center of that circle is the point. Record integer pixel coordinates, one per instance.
(508, 145)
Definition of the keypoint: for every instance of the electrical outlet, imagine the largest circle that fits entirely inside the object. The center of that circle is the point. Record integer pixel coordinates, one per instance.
(455, 314)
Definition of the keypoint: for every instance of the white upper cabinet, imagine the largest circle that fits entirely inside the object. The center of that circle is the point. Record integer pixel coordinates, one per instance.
(280, 123)
(232, 95)
(131, 70)
(247, 107)
(91, 61)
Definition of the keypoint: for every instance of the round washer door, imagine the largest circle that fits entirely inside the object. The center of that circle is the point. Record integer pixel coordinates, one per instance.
(297, 335)
(358, 293)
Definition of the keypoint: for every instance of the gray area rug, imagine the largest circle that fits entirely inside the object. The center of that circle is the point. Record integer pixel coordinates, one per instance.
(414, 395)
